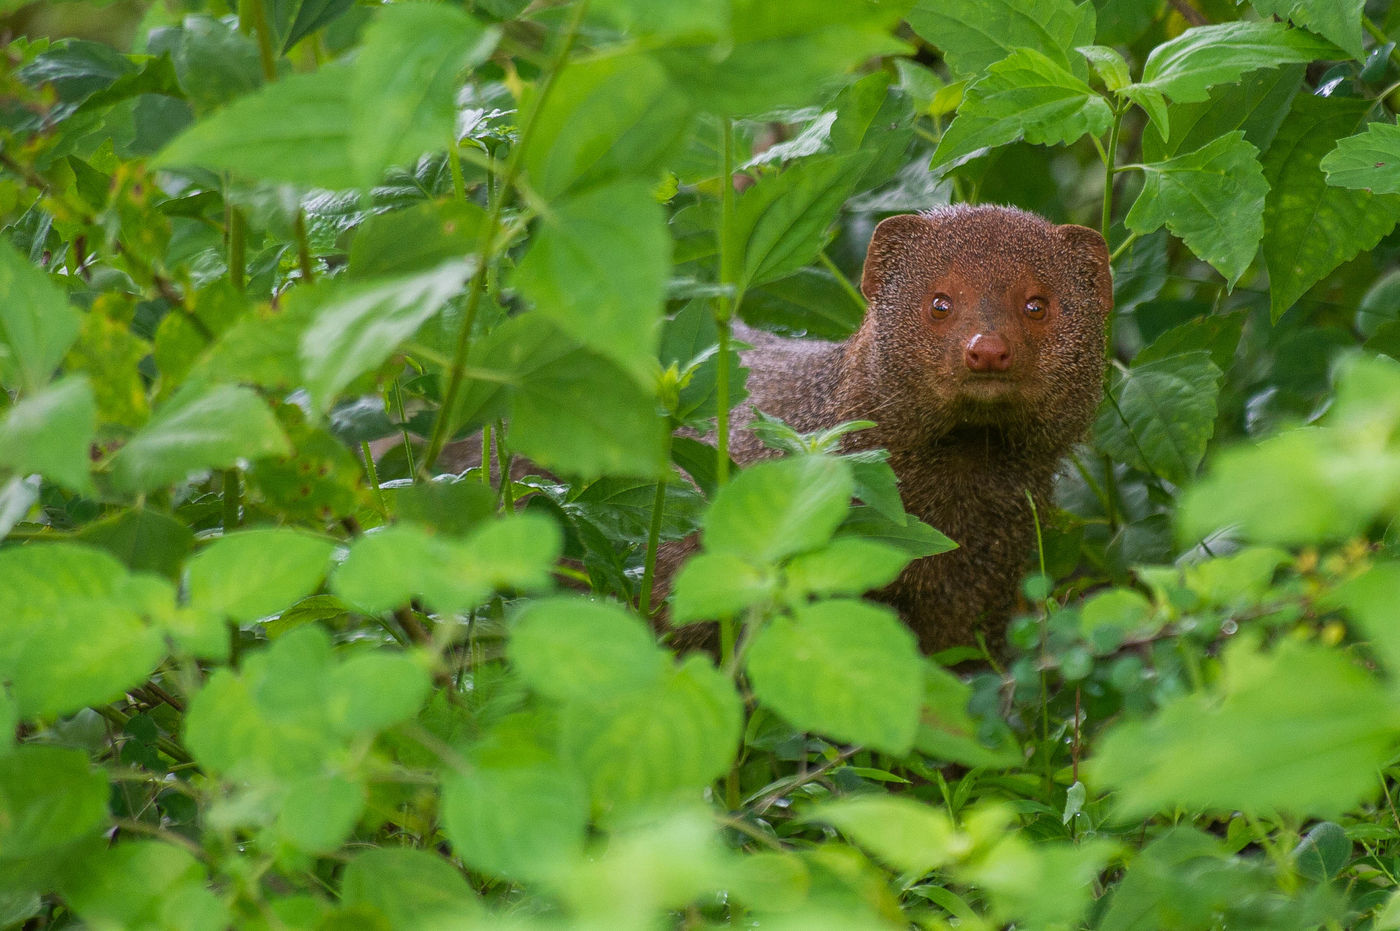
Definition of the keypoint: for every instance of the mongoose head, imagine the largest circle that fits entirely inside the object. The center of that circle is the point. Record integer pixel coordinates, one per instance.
(988, 320)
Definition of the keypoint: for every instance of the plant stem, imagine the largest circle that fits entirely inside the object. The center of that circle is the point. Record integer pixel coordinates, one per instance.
(856, 297)
(653, 542)
(237, 246)
(503, 463)
(252, 18)
(373, 474)
(231, 500)
(1110, 169)
(454, 162)
(478, 283)
(727, 303)
(308, 268)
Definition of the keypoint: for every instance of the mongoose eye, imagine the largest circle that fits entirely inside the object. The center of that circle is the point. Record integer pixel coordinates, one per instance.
(1036, 307)
(941, 306)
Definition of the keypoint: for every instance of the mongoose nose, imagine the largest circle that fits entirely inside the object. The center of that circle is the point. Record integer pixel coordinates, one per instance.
(987, 352)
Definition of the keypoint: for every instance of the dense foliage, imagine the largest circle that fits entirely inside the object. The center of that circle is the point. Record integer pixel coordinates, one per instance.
(277, 651)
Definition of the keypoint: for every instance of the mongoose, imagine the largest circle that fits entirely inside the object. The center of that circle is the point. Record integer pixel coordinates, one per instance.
(981, 360)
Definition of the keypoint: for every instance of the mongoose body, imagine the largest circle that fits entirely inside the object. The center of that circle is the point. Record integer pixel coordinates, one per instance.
(981, 361)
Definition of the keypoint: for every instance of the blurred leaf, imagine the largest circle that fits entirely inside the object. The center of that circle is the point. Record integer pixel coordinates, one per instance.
(296, 130)
(1322, 852)
(356, 328)
(416, 239)
(716, 585)
(199, 428)
(318, 812)
(287, 565)
(145, 540)
(774, 509)
(846, 669)
(1310, 226)
(37, 325)
(411, 888)
(1366, 161)
(1161, 415)
(907, 834)
(1186, 67)
(51, 432)
(403, 90)
(598, 268)
(310, 16)
(1257, 742)
(143, 884)
(845, 566)
(521, 822)
(50, 799)
(1212, 198)
(947, 730)
(1025, 96)
(960, 28)
(614, 118)
(567, 649)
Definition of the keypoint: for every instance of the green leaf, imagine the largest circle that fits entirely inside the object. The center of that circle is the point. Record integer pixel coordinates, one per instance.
(611, 118)
(50, 799)
(518, 822)
(1212, 198)
(1186, 67)
(783, 221)
(387, 569)
(912, 535)
(200, 428)
(1109, 65)
(411, 888)
(1161, 415)
(415, 239)
(255, 573)
(774, 509)
(910, 836)
(318, 812)
(145, 540)
(948, 731)
(1310, 226)
(1257, 104)
(572, 410)
(598, 267)
(1366, 161)
(697, 19)
(810, 301)
(404, 87)
(974, 34)
(780, 55)
(37, 324)
(1025, 96)
(310, 16)
(845, 566)
(296, 130)
(570, 649)
(715, 585)
(51, 432)
(1369, 599)
(369, 692)
(1322, 852)
(1336, 20)
(846, 669)
(642, 747)
(143, 884)
(356, 328)
(1258, 743)
(76, 630)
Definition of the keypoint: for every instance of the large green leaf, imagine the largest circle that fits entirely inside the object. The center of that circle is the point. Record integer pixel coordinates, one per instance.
(200, 428)
(1258, 743)
(610, 118)
(1213, 198)
(641, 747)
(570, 649)
(1024, 96)
(1257, 104)
(37, 324)
(403, 94)
(51, 433)
(784, 220)
(846, 669)
(143, 884)
(1311, 227)
(358, 327)
(716, 585)
(912, 837)
(296, 130)
(411, 888)
(1186, 67)
(77, 626)
(522, 821)
(50, 799)
(1161, 415)
(1336, 20)
(974, 34)
(1366, 161)
(598, 267)
(253, 573)
(778, 55)
(774, 509)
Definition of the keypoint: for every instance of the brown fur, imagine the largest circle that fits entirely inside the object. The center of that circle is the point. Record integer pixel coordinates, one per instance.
(976, 408)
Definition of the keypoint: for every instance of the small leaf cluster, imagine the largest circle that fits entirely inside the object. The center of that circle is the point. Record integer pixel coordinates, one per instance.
(368, 370)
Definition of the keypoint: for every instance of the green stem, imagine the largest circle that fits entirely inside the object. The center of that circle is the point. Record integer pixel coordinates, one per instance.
(237, 245)
(403, 425)
(503, 461)
(308, 268)
(454, 162)
(373, 473)
(1110, 169)
(486, 455)
(653, 540)
(252, 18)
(487, 247)
(727, 304)
(856, 297)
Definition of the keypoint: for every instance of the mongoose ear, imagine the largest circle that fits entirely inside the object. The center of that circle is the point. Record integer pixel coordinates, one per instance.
(894, 237)
(1089, 257)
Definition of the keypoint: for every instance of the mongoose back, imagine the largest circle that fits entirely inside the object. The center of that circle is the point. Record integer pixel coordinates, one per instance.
(981, 361)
